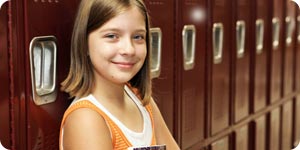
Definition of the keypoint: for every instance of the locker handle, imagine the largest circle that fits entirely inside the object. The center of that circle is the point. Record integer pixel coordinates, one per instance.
(275, 33)
(218, 34)
(298, 32)
(289, 30)
(42, 53)
(188, 44)
(240, 38)
(259, 35)
(155, 49)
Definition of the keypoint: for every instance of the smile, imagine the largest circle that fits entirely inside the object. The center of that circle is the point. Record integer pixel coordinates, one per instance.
(124, 65)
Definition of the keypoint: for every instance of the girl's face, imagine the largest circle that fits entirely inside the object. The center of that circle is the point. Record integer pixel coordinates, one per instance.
(118, 48)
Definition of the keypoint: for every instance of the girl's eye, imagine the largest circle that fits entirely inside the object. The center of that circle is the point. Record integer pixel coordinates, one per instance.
(111, 36)
(139, 37)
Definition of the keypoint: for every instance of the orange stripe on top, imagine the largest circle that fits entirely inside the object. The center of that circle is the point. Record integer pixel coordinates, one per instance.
(119, 140)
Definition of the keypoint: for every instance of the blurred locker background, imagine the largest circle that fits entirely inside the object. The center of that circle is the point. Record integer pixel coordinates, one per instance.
(226, 73)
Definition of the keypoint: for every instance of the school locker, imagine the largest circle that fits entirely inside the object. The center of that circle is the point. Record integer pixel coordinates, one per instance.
(241, 58)
(219, 40)
(162, 50)
(241, 138)
(297, 53)
(259, 137)
(274, 129)
(276, 50)
(190, 76)
(290, 23)
(51, 41)
(286, 127)
(4, 76)
(260, 46)
(297, 85)
(222, 144)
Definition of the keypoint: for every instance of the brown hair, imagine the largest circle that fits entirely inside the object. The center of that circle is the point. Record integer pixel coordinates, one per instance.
(91, 15)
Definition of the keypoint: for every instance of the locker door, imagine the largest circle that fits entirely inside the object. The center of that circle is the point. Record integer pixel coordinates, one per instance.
(286, 128)
(261, 33)
(290, 20)
(241, 138)
(44, 112)
(297, 74)
(297, 87)
(274, 129)
(276, 50)
(241, 58)
(219, 49)
(4, 77)
(163, 81)
(222, 144)
(190, 61)
(260, 133)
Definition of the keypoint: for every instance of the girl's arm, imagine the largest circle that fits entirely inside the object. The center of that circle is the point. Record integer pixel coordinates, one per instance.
(86, 129)
(163, 135)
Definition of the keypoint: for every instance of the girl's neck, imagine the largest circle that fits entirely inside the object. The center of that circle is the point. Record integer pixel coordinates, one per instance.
(106, 90)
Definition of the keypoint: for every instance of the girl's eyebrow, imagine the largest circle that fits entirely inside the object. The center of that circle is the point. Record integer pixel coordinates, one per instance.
(110, 29)
(118, 30)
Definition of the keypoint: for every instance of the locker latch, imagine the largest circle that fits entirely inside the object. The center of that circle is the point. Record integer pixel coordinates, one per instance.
(42, 53)
(189, 45)
(218, 34)
(259, 35)
(290, 25)
(275, 32)
(240, 38)
(155, 49)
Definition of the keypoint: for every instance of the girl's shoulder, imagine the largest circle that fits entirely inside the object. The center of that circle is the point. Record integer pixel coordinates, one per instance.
(82, 126)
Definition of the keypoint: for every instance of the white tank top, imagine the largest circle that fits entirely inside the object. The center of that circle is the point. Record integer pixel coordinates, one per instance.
(143, 138)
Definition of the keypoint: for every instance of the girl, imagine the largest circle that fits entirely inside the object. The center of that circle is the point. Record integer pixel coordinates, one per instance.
(110, 80)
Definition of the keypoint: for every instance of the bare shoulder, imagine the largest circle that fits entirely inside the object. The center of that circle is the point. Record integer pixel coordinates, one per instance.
(86, 129)
(162, 133)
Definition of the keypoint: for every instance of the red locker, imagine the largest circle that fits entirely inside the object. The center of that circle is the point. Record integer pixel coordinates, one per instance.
(44, 112)
(276, 50)
(162, 31)
(297, 53)
(222, 144)
(241, 58)
(4, 76)
(260, 133)
(261, 39)
(190, 76)
(297, 86)
(286, 127)
(241, 138)
(274, 129)
(219, 52)
(290, 39)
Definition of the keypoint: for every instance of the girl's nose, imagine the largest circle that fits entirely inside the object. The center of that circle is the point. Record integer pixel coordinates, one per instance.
(127, 47)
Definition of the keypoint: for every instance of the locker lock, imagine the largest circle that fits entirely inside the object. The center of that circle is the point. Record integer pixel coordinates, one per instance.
(42, 53)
